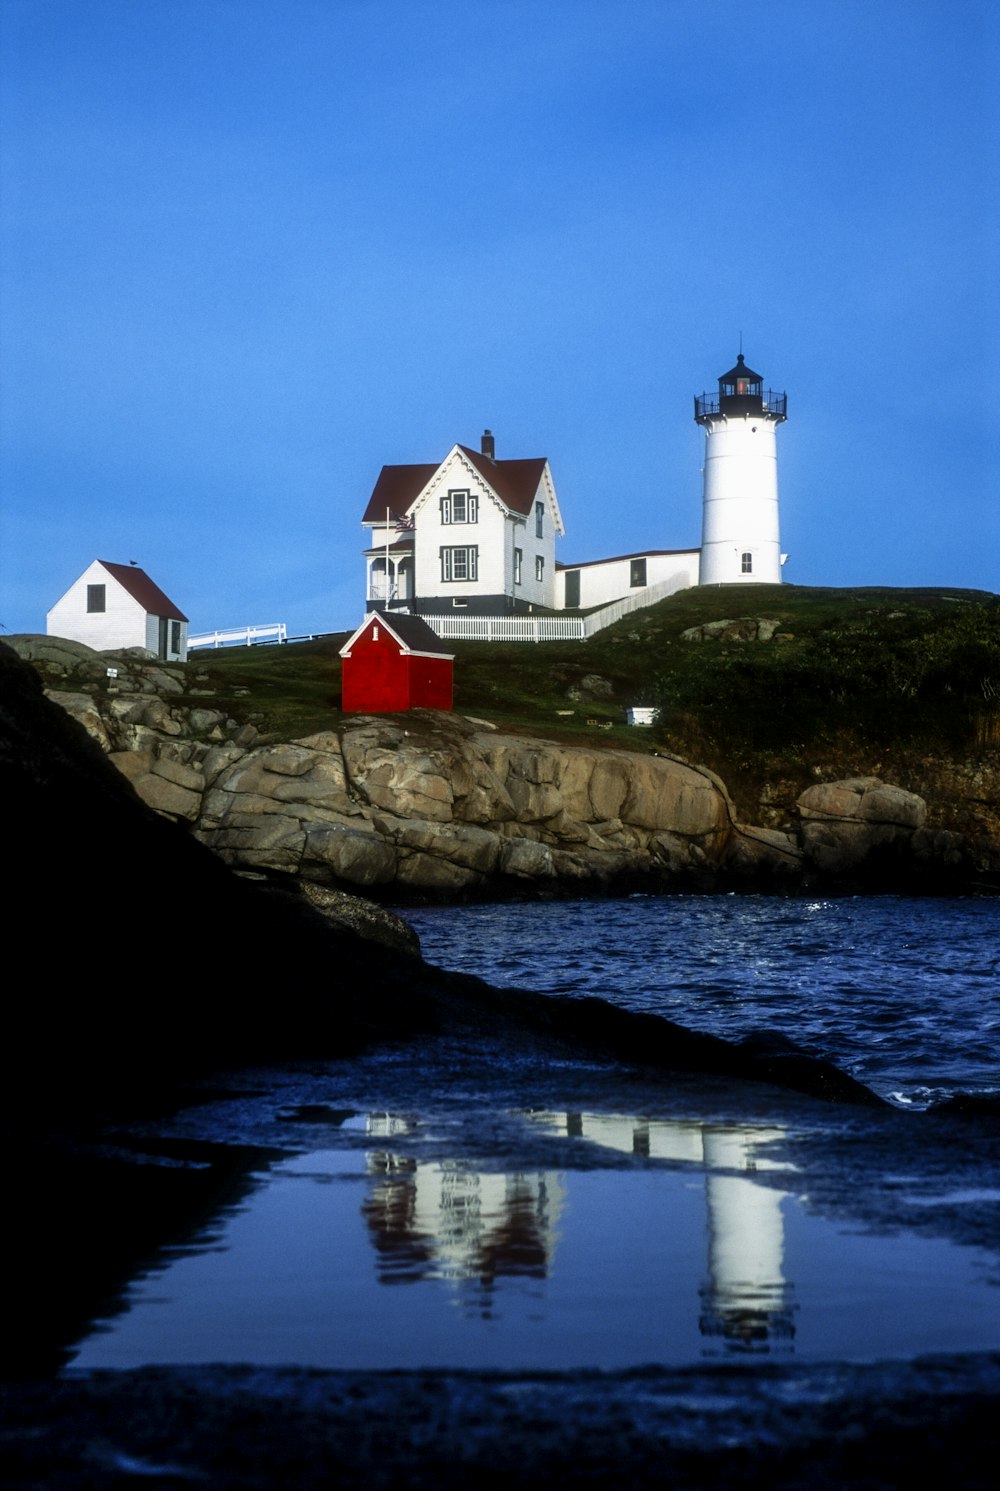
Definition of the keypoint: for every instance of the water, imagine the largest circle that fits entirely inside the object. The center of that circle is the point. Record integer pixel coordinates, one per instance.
(902, 993)
(378, 1259)
(437, 1215)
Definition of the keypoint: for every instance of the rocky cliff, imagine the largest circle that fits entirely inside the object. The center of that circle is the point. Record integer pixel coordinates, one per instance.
(439, 805)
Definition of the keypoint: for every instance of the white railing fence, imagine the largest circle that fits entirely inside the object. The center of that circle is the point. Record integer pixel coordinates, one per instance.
(546, 628)
(608, 615)
(240, 636)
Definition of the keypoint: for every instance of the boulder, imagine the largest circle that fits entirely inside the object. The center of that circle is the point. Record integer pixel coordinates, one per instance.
(758, 852)
(866, 825)
(352, 854)
(743, 629)
(83, 708)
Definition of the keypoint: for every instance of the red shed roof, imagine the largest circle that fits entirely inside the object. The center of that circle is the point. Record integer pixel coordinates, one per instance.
(398, 487)
(411, 632)
(142, 589)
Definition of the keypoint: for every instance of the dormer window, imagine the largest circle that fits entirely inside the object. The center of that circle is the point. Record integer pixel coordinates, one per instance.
(460, 507)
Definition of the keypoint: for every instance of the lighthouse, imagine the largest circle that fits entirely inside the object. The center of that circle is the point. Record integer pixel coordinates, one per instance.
(739, 533)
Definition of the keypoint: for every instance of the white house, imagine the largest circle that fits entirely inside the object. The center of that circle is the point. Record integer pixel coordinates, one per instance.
(112, 606)
(472, 534)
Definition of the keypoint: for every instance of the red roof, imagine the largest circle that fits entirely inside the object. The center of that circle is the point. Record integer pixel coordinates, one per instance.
(142, 589)
(398, 545)
(515, 483)
(396, 488)
(411, 632)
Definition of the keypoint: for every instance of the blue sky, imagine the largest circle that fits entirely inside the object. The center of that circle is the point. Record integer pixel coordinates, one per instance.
(253, 249)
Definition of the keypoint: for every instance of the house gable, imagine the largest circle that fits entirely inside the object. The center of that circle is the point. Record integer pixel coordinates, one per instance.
(491, 547)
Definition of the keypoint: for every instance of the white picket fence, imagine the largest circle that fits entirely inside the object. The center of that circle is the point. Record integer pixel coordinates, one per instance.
(545, 628)
(507, 628)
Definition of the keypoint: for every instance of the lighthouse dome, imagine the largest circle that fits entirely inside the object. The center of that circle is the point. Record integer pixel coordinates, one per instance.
(741, 383)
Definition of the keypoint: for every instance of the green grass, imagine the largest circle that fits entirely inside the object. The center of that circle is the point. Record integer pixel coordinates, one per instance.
(286, 691)
(860, 673)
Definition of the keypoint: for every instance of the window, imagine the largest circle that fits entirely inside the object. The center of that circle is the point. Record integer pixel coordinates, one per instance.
(518, 561)
(637, 572)
(95, 598)
(460, 507)
(746, 563)
(539, 567)
(175, 636)
(539, 519)
(460, 564)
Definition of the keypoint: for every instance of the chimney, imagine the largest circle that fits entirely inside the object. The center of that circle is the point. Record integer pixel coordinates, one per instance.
(487, 447)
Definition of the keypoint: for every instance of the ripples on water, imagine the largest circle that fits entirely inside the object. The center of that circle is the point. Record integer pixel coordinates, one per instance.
(902, 993)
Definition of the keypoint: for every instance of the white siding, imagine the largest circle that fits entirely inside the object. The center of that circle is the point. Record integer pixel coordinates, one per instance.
(495, 534)
(611, 579)
(121, 624)
(740, 511)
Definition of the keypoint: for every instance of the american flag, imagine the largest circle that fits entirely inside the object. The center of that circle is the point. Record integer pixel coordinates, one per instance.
(403, 524)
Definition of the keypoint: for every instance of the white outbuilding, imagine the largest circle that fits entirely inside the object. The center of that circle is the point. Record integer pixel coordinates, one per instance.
(112, 606)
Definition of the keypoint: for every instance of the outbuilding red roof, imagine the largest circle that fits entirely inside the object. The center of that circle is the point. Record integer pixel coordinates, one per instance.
(142, 589)
(411, 632)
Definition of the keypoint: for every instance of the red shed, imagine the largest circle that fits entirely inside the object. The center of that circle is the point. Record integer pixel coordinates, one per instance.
(393, 663)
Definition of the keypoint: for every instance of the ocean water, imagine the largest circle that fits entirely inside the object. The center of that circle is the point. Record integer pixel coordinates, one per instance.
(901, 992)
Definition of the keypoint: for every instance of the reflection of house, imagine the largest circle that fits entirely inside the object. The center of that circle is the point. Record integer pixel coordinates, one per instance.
(472, 534)
(395, 662)
(112, 606)
(449, 1222)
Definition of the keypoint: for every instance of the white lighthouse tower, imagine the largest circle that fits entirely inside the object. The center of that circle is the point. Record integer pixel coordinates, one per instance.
(739, 533)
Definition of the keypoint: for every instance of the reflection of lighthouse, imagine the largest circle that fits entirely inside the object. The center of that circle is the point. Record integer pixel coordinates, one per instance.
(739, 536)
(746, 1302)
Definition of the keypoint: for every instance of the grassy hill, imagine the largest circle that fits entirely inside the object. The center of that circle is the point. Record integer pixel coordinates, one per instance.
(860, 680)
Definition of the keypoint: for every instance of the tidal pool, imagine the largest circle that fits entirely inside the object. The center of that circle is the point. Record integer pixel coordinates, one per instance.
(370, 1255)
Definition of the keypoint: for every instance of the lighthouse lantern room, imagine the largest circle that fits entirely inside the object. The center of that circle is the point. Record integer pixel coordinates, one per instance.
(740, 542)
